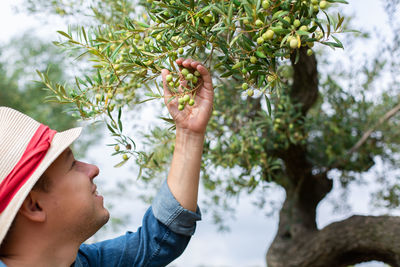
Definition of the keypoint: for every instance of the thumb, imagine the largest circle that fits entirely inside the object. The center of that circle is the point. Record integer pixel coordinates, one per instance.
(167, 93)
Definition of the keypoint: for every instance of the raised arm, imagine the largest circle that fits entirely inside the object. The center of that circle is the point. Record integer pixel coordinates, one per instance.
(191, 123)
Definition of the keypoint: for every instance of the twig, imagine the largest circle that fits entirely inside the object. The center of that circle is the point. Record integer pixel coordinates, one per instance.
(365, 137)
(367, 134)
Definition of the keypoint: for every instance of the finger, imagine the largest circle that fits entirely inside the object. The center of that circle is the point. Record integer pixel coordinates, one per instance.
(164, 73)
(194, 64)
(187, 63)
(205, 75)
(179, 61)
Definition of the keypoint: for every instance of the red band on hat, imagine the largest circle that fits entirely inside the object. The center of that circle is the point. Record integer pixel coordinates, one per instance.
(26, 166)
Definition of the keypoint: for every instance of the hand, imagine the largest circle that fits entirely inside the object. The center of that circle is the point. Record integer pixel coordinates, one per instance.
(192, 119)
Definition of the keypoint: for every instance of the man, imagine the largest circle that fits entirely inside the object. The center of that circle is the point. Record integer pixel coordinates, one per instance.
(49, 204)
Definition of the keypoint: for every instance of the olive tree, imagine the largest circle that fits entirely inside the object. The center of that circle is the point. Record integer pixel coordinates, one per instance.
(18, 60)
(277, 118)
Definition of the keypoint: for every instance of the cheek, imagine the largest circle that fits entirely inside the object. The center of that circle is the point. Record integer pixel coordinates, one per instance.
(72, 206)
(74, 191)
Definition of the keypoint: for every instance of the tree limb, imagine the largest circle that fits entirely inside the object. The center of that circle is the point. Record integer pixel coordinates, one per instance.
(354, 240)
(367, 134)
(365, 137)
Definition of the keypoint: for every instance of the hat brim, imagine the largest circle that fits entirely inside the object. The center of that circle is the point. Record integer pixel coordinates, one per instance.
(60, 142)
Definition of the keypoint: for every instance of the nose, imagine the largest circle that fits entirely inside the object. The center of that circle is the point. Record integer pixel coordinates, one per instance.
(91, 170)
(94, 171)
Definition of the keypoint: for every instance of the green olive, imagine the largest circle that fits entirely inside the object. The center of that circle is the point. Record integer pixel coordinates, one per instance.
(294, 43)
(207, 19)
(304, 28)
(259, 23)
(268, 35)
(189, 77)
(265, 4)
(111, 106)
(185, 71)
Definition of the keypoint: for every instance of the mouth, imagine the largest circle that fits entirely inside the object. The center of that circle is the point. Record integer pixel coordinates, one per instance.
(95, 192)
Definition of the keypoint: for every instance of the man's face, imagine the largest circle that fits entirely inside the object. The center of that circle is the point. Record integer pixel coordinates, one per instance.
(72, 205)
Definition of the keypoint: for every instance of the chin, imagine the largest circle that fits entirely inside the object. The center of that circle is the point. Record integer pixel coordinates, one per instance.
(103, 217)
(106, 217)
(100, 222)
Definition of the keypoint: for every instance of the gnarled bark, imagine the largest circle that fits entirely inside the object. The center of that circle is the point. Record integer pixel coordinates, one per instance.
(305, 80)
(354, 240)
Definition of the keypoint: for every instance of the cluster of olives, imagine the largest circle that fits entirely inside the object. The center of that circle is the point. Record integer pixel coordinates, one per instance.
(189, 90)
(260, 34)
(278, 30)
(125, 156)
(287, 29)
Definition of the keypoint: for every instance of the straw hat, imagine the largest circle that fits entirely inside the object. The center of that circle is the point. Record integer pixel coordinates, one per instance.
(16, 131)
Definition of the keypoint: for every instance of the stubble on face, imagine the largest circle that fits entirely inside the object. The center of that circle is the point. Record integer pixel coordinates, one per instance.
(91, 224)
(76, 208)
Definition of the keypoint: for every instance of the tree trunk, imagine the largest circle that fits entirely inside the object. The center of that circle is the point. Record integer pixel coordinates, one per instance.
(298, 242)
(354, 240)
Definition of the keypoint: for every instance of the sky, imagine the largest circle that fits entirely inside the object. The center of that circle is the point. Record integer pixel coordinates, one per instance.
(251, 232)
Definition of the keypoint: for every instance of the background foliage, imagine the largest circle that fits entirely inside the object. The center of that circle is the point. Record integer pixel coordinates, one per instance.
(19, 89)
(247, 134)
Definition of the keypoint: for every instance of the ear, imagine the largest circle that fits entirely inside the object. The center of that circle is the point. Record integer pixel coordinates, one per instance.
(31, 208)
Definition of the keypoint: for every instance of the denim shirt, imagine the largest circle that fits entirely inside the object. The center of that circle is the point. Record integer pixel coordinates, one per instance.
(164, 234)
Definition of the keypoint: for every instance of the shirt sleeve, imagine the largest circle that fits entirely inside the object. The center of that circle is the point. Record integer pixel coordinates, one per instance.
(168, 211)
(164, 234)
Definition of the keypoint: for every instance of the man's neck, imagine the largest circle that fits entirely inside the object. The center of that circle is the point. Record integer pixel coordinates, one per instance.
(48, 256)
